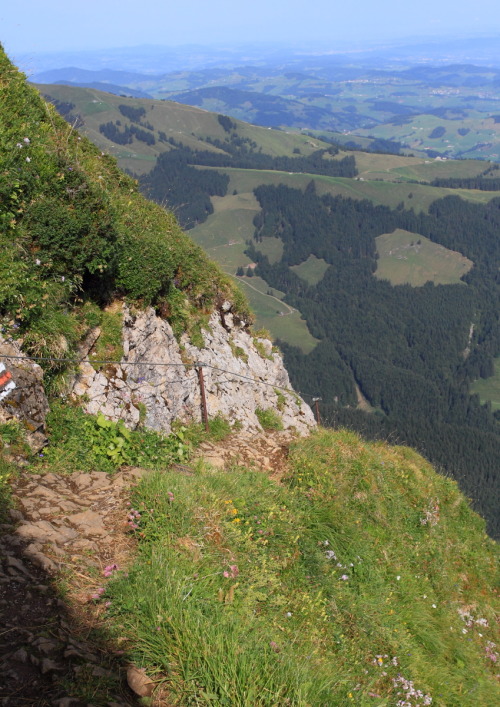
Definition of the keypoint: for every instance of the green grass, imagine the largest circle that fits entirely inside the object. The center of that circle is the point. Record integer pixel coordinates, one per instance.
(480, 143)
(409, 258)
(223, 236)
(320, 590)
(272, 247)
(391, 167)
(276, 317)
(381, 191)
(488, 389)
(269, 419)
(109, 345)
(81, 442)
(311, 270)
(224, 233)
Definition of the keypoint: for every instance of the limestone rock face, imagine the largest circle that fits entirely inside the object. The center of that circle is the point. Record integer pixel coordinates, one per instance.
(157, 380)
(22, 396)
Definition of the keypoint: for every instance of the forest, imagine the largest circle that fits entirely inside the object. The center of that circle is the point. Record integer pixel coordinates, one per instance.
(405, 349)
(175, 182)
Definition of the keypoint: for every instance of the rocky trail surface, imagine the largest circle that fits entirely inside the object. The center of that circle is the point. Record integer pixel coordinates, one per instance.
(63, 533)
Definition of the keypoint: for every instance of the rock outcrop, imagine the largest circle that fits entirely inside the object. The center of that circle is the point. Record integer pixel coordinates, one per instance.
(157, 379)
(22, 395)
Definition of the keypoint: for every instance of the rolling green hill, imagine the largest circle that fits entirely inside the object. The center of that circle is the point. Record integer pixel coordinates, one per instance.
(426, 110)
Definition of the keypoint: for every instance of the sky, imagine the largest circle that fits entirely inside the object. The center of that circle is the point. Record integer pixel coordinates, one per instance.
(54, 25)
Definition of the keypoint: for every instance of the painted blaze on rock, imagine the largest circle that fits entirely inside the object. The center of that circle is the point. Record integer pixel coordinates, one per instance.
(22, 396)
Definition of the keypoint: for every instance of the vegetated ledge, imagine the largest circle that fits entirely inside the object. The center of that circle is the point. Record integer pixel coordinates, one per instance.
(75, 230)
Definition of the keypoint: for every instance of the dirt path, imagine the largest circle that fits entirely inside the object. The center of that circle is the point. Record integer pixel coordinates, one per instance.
(68, 529)
(64, 533)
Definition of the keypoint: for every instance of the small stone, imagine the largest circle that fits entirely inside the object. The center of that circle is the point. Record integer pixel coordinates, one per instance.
(81, 480)
(139, 682)
(15, 563)
(88, 522)
(20, 655)
(42, 588)
(46, 645)
(50, 666)
(16, 515)
(44, 562)
(44, 531)
(68, 702)
(45, 493)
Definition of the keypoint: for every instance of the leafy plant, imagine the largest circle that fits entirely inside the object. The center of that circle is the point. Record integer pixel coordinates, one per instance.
(269, 419)
(113, 440)
(80, 442)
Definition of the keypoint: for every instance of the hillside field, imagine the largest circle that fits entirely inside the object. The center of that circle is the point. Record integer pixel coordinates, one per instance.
(488, 389)
(408, 258)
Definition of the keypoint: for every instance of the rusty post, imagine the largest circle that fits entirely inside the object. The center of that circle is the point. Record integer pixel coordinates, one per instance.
(204, 412)
(316, 409)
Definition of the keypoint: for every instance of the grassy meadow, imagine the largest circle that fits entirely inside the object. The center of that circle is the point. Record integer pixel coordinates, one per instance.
(311, 270)
(409, 258)
(488, 389)
(223, 236)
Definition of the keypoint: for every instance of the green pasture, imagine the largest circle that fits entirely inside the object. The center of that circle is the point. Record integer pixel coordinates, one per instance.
(311, 270)
(409, 258)
(390, 167)
(276, 316)
(223, 236)
(482, 141)
(488, 389)
(273, 248)
(389, 193)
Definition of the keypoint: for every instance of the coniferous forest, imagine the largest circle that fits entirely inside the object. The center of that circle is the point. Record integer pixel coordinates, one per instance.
(407, 350)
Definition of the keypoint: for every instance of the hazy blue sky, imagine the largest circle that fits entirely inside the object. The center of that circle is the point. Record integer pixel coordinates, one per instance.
(52, 25)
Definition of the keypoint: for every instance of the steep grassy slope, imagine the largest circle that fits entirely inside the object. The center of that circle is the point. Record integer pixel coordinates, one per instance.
(362, 578)
(75, 232)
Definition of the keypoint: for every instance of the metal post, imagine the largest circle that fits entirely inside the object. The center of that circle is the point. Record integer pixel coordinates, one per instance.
(316, 409)
(204, 412)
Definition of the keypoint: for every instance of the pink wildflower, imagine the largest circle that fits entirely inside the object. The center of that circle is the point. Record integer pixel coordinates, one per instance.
(108, 571)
